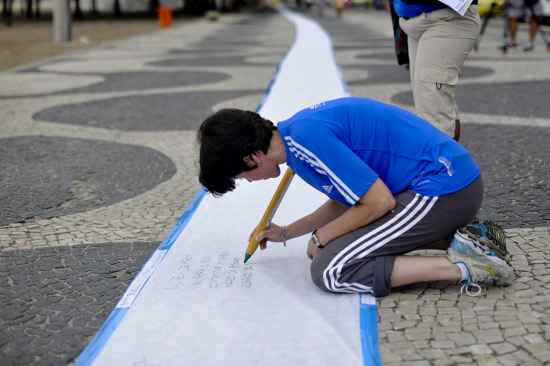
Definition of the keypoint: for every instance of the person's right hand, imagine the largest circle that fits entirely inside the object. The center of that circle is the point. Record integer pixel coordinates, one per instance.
(273, 233)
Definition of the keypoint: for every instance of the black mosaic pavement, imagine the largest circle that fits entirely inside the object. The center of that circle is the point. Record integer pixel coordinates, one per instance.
(173, 111)
(200, 51)
(140, 80)
(360, 46)
(237, 42)
(520, 58)
(221, 61)
(240, 35)
(344, 34)
(384, 74)
(45, 177)
(367, 43)
(515, 163)
(519, 98)
(387, 56)
(54, 299)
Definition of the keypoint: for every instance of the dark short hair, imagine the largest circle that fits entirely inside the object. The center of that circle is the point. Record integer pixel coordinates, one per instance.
(225, 139)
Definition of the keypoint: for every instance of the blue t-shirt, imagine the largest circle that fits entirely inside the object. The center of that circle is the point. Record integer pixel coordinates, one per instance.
(408, 10)
(341, 147)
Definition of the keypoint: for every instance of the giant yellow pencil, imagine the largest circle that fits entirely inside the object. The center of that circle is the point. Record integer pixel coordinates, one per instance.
(269, 212)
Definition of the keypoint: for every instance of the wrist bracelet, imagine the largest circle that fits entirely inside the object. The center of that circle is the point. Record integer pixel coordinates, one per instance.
(284, 234)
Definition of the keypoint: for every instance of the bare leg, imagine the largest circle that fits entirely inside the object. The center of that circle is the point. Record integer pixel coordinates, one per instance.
(546, 41)
(505, 26)
(533, 30)
(413, 269)
(513, 31)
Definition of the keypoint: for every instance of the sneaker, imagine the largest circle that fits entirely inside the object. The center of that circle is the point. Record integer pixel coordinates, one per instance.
(528, 48)
(482, 268)
(488, 236)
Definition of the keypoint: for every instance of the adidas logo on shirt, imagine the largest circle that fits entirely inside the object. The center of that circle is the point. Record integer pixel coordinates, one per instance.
(318, 105)
(327, 188)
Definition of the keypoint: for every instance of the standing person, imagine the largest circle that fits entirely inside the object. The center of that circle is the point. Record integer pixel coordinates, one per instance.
(321, 7)
(388, 194)
(439, 41)
(514, 10)
(339, 7)
(533, 11)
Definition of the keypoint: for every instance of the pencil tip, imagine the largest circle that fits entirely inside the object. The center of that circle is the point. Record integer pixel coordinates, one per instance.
(246, 257)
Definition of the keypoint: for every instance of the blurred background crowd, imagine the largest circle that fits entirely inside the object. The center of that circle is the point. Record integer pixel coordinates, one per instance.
(535, 13)
(36, 9)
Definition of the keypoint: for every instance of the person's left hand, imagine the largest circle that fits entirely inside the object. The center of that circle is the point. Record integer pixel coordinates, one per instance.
(312, 250)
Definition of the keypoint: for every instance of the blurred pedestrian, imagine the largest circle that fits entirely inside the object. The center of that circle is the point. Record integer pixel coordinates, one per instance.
(339, 7)
(533, 11)
(514, 10)
(321, 8)
(495, 8)
(439, 40)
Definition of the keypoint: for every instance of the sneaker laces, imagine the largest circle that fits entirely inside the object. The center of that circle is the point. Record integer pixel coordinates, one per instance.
(470, 288)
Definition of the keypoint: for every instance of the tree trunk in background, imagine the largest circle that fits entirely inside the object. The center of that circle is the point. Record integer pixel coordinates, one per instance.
(153, 6)
(7, 11)
(94, 7)
(116, 8)
(77, 10)
(37, 11)
(29, 9)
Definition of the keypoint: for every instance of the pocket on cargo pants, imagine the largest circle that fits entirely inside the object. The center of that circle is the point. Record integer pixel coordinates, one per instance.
(434, 96)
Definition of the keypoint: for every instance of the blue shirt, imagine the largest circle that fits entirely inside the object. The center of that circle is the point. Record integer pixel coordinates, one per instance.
(341, 147)
(412, 10)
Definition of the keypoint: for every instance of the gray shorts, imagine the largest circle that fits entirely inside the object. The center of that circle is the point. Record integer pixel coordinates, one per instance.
(362, 261)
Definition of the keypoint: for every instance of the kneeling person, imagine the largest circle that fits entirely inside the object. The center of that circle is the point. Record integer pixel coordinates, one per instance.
(394, 184)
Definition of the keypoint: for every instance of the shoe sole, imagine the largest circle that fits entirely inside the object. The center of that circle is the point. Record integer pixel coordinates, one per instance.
(496, 236)
(496, 233)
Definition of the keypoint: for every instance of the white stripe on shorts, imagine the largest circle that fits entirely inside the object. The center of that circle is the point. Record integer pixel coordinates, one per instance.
(417, 209)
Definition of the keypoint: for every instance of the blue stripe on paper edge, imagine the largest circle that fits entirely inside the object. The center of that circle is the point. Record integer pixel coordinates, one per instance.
(368, 320)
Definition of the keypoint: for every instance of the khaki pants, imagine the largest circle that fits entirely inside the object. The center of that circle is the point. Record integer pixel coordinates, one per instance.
(439, 43)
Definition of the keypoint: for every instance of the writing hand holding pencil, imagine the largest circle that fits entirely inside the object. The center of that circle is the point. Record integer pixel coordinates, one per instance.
(273, 233)
(265, 223)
